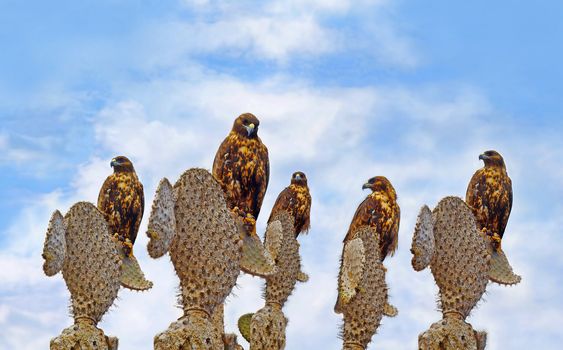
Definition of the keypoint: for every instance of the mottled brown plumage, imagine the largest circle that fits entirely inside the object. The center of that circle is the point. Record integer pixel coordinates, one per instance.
(489, 195)
(381, 211)
(242, 167)
(296, 199)
(122, 202)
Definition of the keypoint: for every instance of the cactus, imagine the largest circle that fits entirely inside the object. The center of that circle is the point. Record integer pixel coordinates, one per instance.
(265, 329)
(362, 291)
(192, 223)
(80, 246)
(447, 239)
(500, 270)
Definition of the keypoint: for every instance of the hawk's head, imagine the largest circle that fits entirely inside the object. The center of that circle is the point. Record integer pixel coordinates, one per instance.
(121, 164)
(299, 178)
(246, 125)
(492, 158)
(380, 184)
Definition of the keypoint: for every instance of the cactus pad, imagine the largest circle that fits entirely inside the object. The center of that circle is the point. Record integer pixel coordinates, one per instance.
(500, 270)
(288, 262)
(351, 272)
(162, 222)
(363, 313)
(55, 246)
(91, 267)
(132, 276)
(423, 240)
(206, 248)
(244, 325)
(390, 310)
(268, 328)
(460, 262)
(256, 260)
(274, 233)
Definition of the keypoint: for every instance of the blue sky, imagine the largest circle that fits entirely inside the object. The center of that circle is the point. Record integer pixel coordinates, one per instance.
(345, 91)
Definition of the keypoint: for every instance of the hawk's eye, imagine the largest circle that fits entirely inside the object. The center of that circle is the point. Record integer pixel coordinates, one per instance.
(245, 121)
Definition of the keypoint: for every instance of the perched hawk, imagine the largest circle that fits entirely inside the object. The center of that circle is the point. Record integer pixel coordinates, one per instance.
(489, 195)
(122, 202)
(379, 210)
(242, 168)
(296, 199)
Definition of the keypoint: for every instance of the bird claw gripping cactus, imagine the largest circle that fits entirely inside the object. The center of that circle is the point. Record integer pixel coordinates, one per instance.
(80, 246)
(362, 291)
(447, 239)
(265, 329)
(192, 223)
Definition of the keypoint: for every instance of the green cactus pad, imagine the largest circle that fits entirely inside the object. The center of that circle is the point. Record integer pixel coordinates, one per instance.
(244, 325)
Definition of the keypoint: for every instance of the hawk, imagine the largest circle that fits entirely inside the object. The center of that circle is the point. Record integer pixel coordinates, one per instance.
(122, 202)
(381, 211)
(296, 199)
(242, 168)
(489, 195)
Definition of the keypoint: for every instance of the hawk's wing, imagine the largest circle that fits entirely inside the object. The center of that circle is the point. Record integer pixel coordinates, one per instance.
(296, 200)
(121, 201)
(383, 214)
(261, 178)
(489, 195)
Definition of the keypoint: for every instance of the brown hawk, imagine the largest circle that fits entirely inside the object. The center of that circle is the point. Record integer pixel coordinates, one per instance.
(122, 202)
(242, 168)
(296, 199)
(381, 211)
(489, 195)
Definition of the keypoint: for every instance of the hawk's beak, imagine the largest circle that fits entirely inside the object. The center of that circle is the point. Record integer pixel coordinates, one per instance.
(250, 128)
(483, 157)
(113, 163)
(366, 185)
(297, 177)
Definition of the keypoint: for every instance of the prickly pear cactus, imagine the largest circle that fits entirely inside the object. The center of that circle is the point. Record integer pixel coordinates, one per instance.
(459, 262)
(362, 292)
(266, 328)
(205, 249)
(91, 270)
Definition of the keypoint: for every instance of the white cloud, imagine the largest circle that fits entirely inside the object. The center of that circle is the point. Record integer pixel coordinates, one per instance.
(280, 31)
